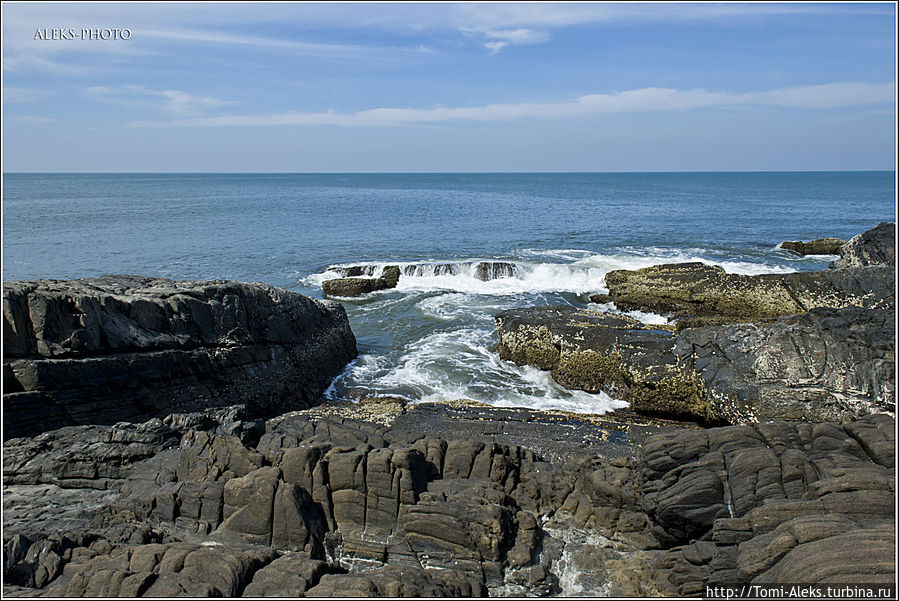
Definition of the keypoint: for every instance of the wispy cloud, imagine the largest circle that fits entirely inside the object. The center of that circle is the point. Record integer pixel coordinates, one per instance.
(34, 120)
(535, 22)
(24, 95)
(140, 97)
(827, 96)
(302, 47)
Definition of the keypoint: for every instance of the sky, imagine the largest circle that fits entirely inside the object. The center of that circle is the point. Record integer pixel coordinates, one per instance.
(341, 87)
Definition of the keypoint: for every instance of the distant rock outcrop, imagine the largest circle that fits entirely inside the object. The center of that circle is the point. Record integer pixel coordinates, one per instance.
(125, 348)
(821, 246)
(699, 294)
(814, 346)
(357, 286)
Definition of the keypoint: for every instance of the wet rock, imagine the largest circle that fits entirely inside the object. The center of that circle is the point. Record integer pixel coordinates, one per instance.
(357, 286)
(825, 365)
(600, 352)
(493, 270)
(821, 246)
(127, 348)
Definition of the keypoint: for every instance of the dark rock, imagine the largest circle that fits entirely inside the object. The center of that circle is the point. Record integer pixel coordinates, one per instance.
(769, 473)
(874, 247)
(826, 365)
(290, 575)
(821, 246)
(357, 286)
(493, 270)
(127, 348)
(399, 581)
(84, 456)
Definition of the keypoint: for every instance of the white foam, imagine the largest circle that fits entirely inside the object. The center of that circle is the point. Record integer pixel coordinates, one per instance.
(582, 272)
(457, 364)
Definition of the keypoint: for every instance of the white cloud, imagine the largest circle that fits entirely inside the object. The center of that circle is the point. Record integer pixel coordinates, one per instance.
(827, 96)
(140, 97)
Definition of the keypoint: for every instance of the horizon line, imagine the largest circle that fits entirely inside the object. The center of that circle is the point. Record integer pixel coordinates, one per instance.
(444, 172)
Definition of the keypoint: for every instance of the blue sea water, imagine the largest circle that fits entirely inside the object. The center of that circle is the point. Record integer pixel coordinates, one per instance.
(431, 338)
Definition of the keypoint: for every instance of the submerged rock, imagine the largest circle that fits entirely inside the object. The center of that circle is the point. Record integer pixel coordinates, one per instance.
(125, 348)
(821, 246)
(357, 286)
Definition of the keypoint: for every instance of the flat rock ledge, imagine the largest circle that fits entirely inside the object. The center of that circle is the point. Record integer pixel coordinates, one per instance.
(821, 246)
(318, 503)
(699, 294)
(126, 348)
(824, 365)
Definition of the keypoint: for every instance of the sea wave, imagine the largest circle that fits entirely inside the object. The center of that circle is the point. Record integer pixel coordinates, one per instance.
(568, 270)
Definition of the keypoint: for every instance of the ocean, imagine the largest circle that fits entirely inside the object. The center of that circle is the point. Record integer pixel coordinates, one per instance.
(433, 337)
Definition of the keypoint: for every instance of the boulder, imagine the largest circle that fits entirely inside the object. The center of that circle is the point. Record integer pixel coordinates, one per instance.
(357, 286)
(127, 348)
(821, 246)
(874, 247)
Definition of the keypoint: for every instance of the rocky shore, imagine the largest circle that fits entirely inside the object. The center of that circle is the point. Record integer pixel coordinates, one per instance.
(126, 348)
(159, 441)
(816, 346)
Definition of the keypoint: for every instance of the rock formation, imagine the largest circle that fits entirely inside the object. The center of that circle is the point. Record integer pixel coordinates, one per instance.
(357, 286)
(815, 346)
(126, 348)
(874, 247)
(825, 365)
(328, 505)
(821, 246)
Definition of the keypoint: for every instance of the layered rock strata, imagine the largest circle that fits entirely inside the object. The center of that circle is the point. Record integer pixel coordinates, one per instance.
(326, 505)
(117, 348)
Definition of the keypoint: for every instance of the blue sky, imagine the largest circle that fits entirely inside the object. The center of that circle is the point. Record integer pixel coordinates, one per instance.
(450, 87)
